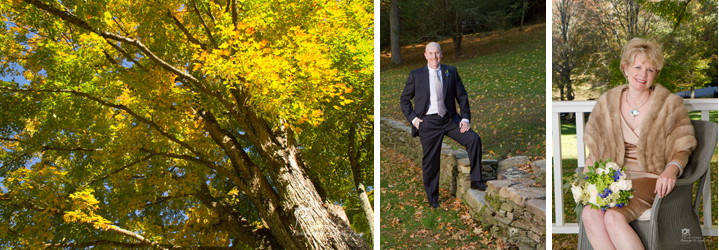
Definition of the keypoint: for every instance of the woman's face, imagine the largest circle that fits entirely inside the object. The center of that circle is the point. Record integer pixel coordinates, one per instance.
(640, 73)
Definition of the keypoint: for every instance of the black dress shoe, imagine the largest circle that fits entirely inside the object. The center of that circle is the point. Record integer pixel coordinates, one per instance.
(434, 205)
(479, 185)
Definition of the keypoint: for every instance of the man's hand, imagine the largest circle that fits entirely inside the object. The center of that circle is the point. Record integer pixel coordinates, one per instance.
(463, 126)
(416, 123)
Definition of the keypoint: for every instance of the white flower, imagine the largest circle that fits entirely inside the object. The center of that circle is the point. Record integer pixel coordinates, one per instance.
(577, 192)
(592, 191)
(601, 171)
(613, 165)
(625, 184)
(615, 187)
(613, 204)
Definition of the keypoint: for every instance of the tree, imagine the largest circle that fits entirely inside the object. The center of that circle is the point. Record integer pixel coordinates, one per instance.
(395, 30)
(423, 20)
(565, 51)
(573, 36)
(199, 127)
(599, 28)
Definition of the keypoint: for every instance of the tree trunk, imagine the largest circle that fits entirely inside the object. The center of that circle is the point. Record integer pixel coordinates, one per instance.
(292, 209)
(570, 91)
(319, 228)
(524, 12)
(457, 40)
(457, 36)
(394, 33)
(359, 182)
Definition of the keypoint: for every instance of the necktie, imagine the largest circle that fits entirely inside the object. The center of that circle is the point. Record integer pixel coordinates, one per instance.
(441, 110)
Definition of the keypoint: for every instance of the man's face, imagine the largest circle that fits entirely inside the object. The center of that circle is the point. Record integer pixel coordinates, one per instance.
(433, 54)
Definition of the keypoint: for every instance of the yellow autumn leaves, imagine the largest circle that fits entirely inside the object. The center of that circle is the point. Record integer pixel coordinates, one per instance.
(84, 206)
(289, 70)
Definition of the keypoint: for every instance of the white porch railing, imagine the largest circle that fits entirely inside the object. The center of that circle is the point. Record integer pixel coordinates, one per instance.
(581, 107)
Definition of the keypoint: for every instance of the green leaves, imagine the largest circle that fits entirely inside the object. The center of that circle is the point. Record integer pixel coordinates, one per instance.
(109, 130)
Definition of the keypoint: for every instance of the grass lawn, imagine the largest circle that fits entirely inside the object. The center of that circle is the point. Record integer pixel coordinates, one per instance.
(569, 163)
(506, 85)
(409, 223)
(506, 91)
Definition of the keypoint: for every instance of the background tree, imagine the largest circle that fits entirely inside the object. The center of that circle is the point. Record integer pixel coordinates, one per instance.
(681, 28)
(564, 51)
(185, 124)
(394, 32)
(432, 20)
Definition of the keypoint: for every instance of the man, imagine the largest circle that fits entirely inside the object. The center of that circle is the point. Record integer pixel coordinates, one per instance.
(435, 88)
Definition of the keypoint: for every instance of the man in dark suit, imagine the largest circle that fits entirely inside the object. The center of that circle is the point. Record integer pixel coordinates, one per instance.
(435, 88)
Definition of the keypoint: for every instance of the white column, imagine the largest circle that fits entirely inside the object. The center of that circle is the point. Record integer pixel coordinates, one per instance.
(557, 155)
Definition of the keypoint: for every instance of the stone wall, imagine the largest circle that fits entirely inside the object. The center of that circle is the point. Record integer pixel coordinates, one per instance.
(513, 207)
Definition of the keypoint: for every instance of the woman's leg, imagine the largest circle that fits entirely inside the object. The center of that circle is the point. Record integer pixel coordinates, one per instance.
(596, 230)
(622, 234)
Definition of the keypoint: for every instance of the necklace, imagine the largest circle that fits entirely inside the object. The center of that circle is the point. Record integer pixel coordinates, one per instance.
(635, 111)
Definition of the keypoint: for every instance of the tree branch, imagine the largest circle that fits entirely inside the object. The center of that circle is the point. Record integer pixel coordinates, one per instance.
(95, 243)
(212, 16)
(117, 106)
(165, 198)
(110, 58)
(78, 148)
(9, 139)
(121, 168)
(234, 222)
(185, 31)
(126, 55)
(71, 18)
(234, 13)
(124, 245)
(205, 162)
(138, 237)
(202, 20)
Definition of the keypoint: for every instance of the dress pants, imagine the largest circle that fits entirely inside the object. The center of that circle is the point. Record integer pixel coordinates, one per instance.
(431, 132)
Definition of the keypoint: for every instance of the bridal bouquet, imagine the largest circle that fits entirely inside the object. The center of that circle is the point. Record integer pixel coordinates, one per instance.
(604, 186)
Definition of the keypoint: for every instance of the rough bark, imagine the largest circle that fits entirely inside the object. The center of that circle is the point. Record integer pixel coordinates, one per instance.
(457, 41)
(394, 35)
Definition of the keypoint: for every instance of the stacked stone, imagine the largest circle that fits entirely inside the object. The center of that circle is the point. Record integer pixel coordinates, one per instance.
(512, 207)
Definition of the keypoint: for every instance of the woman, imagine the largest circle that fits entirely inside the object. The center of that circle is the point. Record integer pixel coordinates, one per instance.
(644, 128)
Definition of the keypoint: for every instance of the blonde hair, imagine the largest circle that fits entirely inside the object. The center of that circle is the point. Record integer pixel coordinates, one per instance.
(649, 48)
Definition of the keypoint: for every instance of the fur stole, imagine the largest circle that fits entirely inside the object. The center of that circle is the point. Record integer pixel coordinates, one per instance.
(665, 130)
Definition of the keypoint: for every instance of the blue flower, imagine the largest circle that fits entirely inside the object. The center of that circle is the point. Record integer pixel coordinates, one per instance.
(620, 205)
(605, 193)
(617, 175)
(586, 177)
(604, 209)
(446, 72)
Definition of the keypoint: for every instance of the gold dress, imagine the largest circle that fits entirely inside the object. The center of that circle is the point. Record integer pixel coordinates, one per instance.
(643, 183)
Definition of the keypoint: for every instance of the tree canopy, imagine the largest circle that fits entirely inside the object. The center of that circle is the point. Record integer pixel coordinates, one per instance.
(422, 20)
(203, 124)
(588, 37)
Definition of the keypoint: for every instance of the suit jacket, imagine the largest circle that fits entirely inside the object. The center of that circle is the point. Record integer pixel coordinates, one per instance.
(417, 87)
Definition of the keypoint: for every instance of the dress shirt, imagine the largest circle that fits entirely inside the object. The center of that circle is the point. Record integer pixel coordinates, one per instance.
(433, 96)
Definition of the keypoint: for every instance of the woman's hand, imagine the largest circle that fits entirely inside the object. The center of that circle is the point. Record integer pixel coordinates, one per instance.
(588, 162)
(666, 181)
